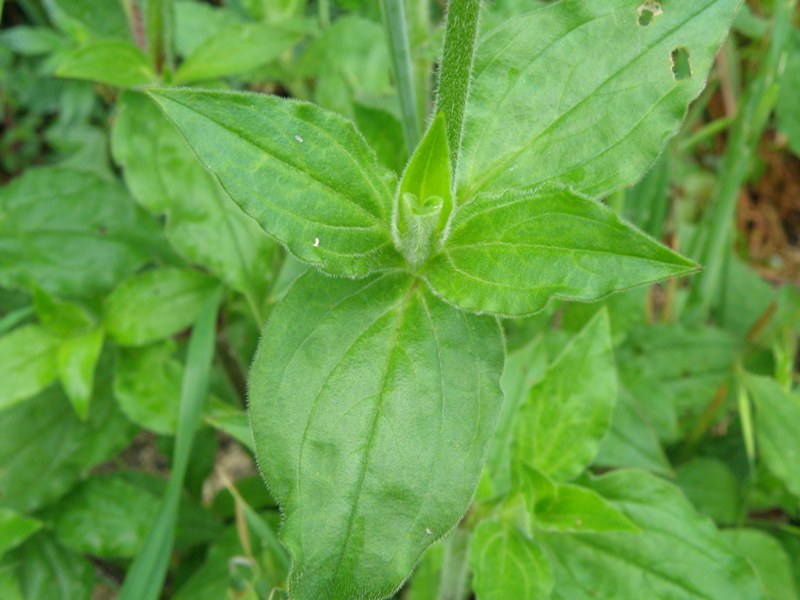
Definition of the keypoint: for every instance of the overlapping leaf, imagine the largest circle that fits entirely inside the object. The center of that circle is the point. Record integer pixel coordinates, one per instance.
(372, 404)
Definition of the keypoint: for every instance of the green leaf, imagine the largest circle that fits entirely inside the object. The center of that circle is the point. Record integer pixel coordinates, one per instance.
(711, 486)
(112, 62)
(155, 305)
(77, 359)
(147, 386)
(678, 554)
(590, 100)
(47, 570)
(57, 222)
(45, 448)
(770, 560)
(443, 573)
(787, 109)
(572, 508)
(507, 564)
(777, 429)
(235, 49)
(306, 175)
(371, 419)
(61, 317)
(203, 225)
(383, 131)
(15, 529)
(87, 19)
(424, 200)
(566, 414)
(512, 253)
(28, 363)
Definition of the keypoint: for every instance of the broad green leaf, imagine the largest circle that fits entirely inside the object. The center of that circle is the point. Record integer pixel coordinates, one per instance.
(15, 529)
(424, 200)
(712, 487)
(566, 414)
(787, 110)
(507, 564)
(236, 49)
(203, 225)
(195, 22)
(677, 555)
(45, 448)
(631, 440)
(89, 19)
(71, 233)
(28, 363)
(674, 371)
(61, 317)
(147, 386)
(47, 570)
(383, 131)
(77, 359)
(116, 63)
(155, 305)
(512, 253)
(769, 559)
(777, 429)
(572, 508)
(372, 404)
(591, 99)
(32, 41)
(306, 175)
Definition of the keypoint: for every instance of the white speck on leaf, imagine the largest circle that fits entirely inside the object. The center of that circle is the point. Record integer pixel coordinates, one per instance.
(298, 138)
(428, 531)
(316, 242)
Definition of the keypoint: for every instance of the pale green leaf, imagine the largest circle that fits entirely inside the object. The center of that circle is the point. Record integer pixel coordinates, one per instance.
(566, 414)
(769, 559)
(71, 233)
(116, 63)
(28, 363)
(507, 564)
(306, 175)
(235, 49)
(61, 317)
(15, 529)
(589, 100)
(155, 305)
(203, 225)
(572, 508)
(372, 404)
(777, 429)
(512, 253)
(77, 359)
(678, 554)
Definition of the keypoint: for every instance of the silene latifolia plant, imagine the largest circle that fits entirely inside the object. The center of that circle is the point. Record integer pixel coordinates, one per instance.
(375, 393)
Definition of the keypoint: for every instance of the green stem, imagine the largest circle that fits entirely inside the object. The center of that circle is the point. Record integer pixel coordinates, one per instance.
(753, 114)
(460, 40)
(159, 37)
(395, 18)
(324, 13)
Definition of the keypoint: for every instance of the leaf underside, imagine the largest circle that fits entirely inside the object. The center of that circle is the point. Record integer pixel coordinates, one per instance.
(372, 404)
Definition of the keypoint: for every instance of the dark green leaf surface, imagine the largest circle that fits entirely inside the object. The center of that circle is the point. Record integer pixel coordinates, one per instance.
(566, 414)
(678, 554)
(306, 175)
(372, 404)
(87, 18)
(203, 225)
(590, 99)
(507, 564)
(777, 429)
(116, 63)
(512, 253)
(28, 363)
(235, 49)
(71, 233)
(155, 305)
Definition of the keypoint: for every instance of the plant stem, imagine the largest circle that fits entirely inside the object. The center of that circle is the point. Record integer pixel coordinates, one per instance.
(159, 37)
(324, 13)
(754, 110)
(460, 40)
(395, 18)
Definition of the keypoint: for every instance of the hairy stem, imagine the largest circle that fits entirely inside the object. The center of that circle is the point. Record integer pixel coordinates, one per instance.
(460, 40)
(395, 19)
(753, 113)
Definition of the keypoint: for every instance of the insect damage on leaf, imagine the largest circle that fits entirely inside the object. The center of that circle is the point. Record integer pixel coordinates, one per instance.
(681, 67)
(647, 12)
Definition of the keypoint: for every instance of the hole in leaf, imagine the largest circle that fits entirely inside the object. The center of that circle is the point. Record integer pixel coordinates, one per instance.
(681, 67)
(648, 11)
